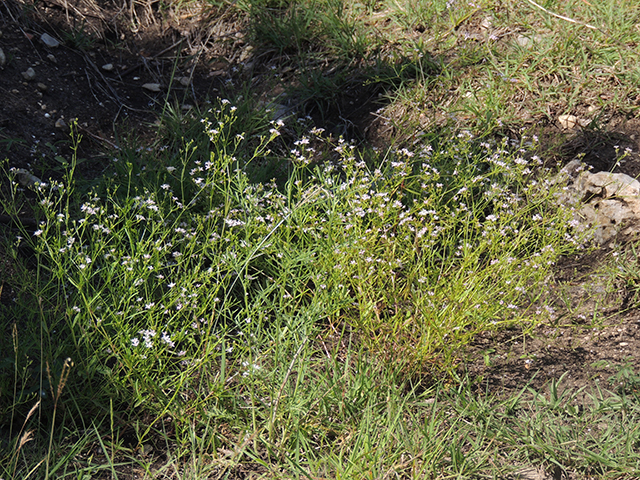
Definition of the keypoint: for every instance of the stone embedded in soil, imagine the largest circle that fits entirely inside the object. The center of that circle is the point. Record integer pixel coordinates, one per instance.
(26, 178)
(60, 123)
(246, 53)
(608, 203)
(152, 87)
(107, 67)
(49, 41)
(3, 58)
(567, 122)
(530, 473)
(42, 87)
(52, 58)
(528, 41)
(29, 74)
(486, 24)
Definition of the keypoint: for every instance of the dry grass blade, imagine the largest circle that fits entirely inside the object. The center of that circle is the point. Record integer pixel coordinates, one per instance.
(562, 17)
(27, 437)
(23, 438)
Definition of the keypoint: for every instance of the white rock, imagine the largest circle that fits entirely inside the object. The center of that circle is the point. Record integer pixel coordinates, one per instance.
(530, 473)
(26, 178)
(246, 53)
(49, 41)
(107, 67)
(608, 203)
(152, 87)
(567, 122)
(29, 74)
(486, 24)
(528, 41)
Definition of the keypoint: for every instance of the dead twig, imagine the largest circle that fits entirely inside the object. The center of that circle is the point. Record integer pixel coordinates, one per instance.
(562, 17)
(143, 63)
(100, 139)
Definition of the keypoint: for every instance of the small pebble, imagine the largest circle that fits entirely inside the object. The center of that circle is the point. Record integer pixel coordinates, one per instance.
(29, 74)
(51, 58)
(152, 87)
(107, 67)
(568, 122)
(60, 123)
(3, 58)
(26, 178)
(528, 42)
(49, 41)
(486, 24)
(42, 87)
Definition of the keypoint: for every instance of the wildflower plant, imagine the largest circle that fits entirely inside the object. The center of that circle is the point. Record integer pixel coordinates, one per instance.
(153, 276)
(437, 245)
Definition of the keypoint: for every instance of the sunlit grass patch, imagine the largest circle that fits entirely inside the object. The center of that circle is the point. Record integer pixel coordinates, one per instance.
(504, 66)
(171, 264)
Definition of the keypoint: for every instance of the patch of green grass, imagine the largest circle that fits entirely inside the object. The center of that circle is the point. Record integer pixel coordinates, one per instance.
(180, 282)
(78, 37)
(493, 79)
(255, 295)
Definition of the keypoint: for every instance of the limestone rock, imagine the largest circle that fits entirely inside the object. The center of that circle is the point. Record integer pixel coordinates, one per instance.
(569, 122)
(607, 202)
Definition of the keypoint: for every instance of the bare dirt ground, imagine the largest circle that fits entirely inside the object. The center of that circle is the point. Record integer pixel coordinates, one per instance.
(96, 76)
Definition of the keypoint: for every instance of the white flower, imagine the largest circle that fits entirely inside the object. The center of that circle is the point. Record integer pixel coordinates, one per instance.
(37, 233)
(167, 339)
